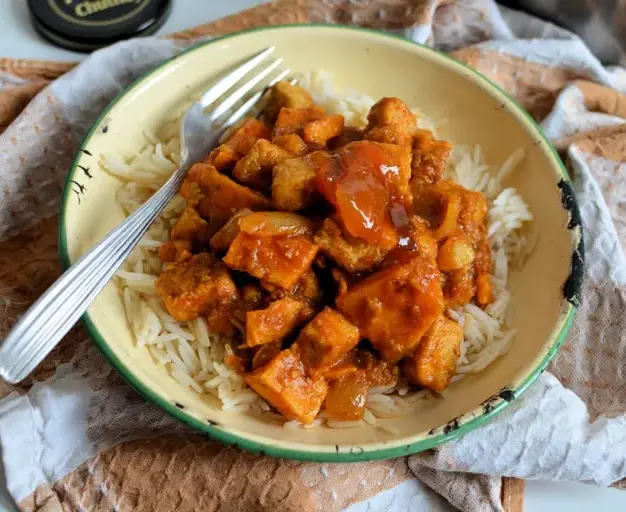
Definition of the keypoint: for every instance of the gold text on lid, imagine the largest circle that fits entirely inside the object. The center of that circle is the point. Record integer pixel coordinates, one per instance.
(86, 8)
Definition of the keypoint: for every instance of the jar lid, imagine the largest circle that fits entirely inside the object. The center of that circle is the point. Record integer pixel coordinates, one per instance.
(86, 25)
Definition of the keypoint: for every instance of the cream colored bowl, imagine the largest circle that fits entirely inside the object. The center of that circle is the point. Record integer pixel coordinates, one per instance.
(545, 292)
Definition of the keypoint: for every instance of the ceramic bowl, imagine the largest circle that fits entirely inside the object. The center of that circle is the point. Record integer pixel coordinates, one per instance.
(545, 292)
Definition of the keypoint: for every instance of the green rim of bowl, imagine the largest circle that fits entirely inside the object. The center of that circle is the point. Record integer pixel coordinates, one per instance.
(474, 419)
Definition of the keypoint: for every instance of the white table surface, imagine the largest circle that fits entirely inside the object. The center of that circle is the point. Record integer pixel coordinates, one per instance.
(19, 40)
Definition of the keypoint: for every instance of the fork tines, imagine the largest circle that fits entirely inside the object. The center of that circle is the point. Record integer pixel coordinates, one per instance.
(238, 94)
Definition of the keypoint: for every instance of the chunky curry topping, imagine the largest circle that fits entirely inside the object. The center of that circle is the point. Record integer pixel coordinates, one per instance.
(335, 251)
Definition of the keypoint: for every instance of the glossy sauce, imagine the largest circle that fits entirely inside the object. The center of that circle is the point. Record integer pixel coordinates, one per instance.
(356, 179)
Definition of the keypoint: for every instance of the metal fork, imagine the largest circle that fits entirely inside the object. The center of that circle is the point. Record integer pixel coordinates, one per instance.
(57, 310)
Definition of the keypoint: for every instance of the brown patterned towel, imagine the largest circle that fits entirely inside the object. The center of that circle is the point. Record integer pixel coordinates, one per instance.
(579, 407)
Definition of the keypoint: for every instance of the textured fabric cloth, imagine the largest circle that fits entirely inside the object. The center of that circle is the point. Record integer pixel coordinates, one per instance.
(65, 431)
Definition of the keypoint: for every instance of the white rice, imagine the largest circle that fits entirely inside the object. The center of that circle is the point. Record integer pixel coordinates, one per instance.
(194, 356)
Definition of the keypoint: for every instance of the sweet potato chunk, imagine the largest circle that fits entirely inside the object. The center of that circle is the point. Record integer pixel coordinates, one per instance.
(395, 306)
(255, 169)
(190, 226)
(293, 120)
(434, 361)
(195, 287)
(291, 143)
(284, 384)
(294, 182)
(325, 340)
(390, 120)
(275, 260)
(284, 94)
(319, 132)
(276, 321)
(353, 254)
(221, 196)
(221, 240)
(238, 144)
(429, 156)
(175, 250)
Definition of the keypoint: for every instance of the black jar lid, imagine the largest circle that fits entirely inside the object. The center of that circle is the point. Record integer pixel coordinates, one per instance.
(86, 25)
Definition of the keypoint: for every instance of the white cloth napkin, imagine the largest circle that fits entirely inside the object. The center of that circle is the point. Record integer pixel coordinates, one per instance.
(570, 425)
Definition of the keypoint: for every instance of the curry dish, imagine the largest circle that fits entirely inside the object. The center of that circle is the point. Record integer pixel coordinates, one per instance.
(336, 252)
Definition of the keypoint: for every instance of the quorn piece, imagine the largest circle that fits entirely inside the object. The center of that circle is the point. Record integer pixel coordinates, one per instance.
(221, 196)
(434, 361)
(390, 120)
(190, 226)
(195, 287)
(352, 253)
(255, 168)
(294, 184)
(293, 120)
(317, 133)
(425, 244)
(395, 306)
(238, 144)
(275, 260)
(276, 321)
(291, 143)
(175, 251)
(398, 167)
(284, 384)
(284, 94)
(308, 288)
(325, 340)
(379, 374)
(429, 157)
(449, 207)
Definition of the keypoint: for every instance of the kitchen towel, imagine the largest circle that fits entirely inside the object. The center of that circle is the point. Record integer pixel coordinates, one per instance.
(75, 437)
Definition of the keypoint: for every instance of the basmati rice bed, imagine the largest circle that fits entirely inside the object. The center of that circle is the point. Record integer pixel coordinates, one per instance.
(194, 356)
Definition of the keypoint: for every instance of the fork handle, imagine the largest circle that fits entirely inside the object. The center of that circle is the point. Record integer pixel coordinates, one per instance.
(46, 322)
